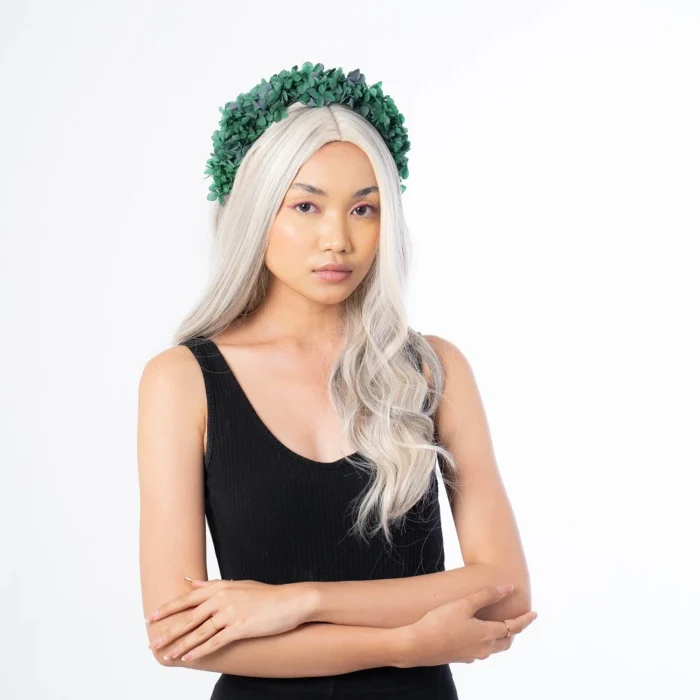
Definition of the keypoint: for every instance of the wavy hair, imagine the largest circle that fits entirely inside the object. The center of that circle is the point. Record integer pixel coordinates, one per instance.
(384, 401)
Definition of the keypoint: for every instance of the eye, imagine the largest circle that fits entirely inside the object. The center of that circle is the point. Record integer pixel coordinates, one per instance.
(302, 204)
(360, 206)
(366, 206)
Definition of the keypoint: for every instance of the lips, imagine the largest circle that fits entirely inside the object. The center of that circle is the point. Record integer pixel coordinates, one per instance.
(331, 275)
(332, 267)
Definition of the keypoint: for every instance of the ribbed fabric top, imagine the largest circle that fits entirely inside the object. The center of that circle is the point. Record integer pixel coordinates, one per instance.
(278, 517)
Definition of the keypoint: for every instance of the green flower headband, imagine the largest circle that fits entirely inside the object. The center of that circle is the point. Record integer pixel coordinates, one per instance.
(244, 120)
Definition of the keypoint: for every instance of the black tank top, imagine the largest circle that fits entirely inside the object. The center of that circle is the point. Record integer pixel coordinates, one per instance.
(278, 517)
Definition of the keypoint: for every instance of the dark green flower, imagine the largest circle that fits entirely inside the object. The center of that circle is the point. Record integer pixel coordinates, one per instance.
(246, 118)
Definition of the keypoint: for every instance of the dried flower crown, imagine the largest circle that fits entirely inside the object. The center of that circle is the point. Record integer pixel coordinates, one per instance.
(244, 120)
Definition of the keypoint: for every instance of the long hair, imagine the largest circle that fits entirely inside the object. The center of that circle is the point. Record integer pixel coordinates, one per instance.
(384, 401)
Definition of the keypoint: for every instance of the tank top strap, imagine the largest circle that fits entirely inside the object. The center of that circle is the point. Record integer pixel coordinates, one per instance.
(215, 373)
(205, 351)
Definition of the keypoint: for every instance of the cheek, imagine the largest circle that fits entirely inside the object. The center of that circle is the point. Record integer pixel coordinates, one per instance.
(368, 243)
(286, 250)
(284, 234)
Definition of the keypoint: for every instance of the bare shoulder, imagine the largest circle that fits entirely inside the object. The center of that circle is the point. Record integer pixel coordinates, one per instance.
(175, 367)
(174, 377)
(460, 395)
(442, 346)
(451, 357)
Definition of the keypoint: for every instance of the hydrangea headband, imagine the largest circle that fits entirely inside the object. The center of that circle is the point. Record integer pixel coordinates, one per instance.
(244, 120)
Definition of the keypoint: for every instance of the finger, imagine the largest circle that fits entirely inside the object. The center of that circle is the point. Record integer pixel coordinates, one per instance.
(204, 631)
(497, 629)
(518, 624)
(198, 583)
(488, 596)
(222, 638)
(182, 602)
(502, 644)
(181, 627)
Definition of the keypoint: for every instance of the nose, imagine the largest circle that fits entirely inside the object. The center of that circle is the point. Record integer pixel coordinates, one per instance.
(335, 234)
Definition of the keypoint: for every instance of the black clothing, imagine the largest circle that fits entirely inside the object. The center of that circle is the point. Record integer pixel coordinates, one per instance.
(278, 517)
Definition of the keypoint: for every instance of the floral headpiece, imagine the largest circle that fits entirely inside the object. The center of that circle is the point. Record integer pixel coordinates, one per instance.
(244, 120)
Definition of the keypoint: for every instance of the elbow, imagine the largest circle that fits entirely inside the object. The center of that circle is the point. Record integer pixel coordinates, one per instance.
(519, 601)
(516, 603)
(159, 654)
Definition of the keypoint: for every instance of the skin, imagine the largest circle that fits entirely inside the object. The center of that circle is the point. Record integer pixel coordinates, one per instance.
(283, 353)
(281, 356)
(312, 229)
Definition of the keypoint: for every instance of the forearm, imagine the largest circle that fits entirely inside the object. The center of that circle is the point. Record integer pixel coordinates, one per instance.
(400, 601)
(312, 649)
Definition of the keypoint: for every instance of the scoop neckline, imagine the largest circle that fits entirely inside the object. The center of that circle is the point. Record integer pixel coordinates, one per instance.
(265, 430)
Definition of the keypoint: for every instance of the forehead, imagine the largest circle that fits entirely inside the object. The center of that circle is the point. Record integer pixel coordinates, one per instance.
(337, 168)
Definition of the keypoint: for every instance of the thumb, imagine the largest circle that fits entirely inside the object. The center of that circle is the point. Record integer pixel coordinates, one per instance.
(197, 582)
(489, 596)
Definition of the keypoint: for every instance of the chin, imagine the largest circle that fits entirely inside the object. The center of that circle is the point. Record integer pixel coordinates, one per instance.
(332, 294)
(330, 298)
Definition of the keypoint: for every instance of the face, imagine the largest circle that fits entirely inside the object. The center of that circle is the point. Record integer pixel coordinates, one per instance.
(330, 214)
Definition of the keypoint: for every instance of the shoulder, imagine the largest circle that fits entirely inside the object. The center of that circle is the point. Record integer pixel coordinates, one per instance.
(174, 367)
(173, 376)
(460, 399)
(442, 346)
(453, 361)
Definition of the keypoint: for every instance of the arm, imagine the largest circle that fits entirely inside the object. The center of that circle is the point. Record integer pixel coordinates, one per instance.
(401, 601)
(486, 527)
(171, 418)
(484, 519)
(170, 451)
(171, 432)
(312, 649)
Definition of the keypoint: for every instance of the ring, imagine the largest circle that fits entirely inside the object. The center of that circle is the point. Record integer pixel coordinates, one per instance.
(508, 626)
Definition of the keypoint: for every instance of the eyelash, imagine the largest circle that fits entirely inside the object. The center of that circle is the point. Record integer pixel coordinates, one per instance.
(367, 206)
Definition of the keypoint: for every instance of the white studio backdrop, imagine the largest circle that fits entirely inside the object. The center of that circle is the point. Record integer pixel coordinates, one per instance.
(553, 206)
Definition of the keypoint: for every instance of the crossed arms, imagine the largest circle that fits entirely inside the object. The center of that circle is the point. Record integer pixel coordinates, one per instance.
(353, 624)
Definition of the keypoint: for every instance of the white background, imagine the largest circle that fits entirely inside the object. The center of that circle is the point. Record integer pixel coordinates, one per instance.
(553, 205)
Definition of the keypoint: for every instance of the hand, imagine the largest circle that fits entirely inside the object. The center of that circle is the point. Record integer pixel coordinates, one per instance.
(225, 611)
(451, 634)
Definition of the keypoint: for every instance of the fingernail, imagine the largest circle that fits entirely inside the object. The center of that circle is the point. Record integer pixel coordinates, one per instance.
(188, 578)
(505, 588)
(156, 642)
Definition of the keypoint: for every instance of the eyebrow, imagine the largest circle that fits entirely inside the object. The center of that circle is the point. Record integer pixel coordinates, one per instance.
(318, 191)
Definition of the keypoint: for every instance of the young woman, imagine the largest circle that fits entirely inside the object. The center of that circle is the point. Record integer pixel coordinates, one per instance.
(301, 417)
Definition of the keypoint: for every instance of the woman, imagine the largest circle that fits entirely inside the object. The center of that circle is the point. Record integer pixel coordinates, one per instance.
(301, 416)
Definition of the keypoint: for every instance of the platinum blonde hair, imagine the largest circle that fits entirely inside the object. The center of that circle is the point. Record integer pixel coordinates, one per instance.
(384, 401)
